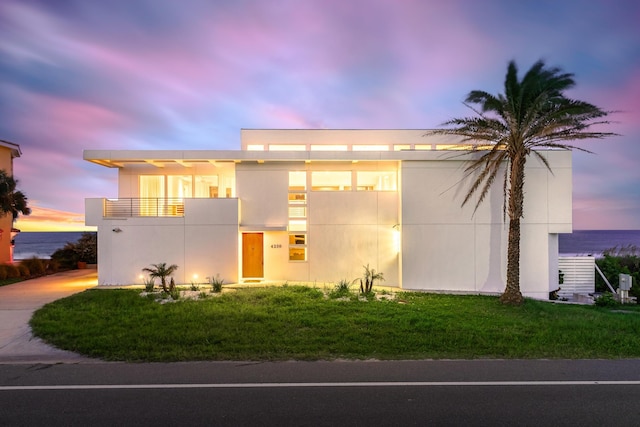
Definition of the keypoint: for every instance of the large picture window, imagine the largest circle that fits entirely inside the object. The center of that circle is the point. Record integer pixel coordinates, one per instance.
(179, 186)
(206, 186)
(376, 181)
(331, 181)
(152, 197)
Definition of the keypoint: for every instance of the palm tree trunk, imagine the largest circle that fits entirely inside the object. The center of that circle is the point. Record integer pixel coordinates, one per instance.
(512, 294)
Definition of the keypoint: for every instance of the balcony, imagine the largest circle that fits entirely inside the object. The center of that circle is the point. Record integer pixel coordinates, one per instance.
(162, 211)
(143, 207)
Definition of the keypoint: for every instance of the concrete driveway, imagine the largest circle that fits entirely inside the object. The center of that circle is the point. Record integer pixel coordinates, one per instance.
(19, 301)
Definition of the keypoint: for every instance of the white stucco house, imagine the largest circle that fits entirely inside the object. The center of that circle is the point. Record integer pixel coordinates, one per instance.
(317, 205)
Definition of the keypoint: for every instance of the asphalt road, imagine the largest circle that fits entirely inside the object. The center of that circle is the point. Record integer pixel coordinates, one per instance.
(481, 392)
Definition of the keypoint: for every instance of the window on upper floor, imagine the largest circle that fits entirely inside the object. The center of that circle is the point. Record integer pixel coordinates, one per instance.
(151, 186)
(297, 181)
(376, 181)
(206, 186)
(331, 181)
(179, 186)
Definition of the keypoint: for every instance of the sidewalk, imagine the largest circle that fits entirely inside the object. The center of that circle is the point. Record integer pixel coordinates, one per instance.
(19, 301)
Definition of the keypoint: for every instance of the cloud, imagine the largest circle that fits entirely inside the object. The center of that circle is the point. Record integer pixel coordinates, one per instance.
(158, 74)
(44, 219)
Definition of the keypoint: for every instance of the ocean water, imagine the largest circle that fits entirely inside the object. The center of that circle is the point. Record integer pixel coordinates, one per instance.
(580, 242)
(594, 242)
(42, 244)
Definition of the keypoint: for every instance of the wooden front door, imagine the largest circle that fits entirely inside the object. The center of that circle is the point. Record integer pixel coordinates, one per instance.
(252, 255)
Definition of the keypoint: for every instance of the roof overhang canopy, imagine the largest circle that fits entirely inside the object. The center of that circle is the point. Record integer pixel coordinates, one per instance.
(187, 158)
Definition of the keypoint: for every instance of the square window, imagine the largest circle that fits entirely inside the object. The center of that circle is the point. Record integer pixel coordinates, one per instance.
(298, 225)
(297, 181)
(297, 254)
(297, 239)
(297, 212)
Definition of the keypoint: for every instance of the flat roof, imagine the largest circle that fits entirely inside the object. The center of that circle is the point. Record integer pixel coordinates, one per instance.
(307, 145)
(272, 145)
(120, 158)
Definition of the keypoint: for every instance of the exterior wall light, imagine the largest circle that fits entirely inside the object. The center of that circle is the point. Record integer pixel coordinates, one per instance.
(396, 238)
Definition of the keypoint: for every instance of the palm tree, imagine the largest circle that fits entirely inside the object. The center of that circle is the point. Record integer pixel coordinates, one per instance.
(11, 201)
(370, 276)
(162, 271)
(532, 113)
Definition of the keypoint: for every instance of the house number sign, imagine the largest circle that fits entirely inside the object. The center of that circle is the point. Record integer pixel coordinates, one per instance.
(276, 246)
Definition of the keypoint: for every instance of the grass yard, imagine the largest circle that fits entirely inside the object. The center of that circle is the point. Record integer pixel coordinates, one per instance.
(295, 322)
(6, 282)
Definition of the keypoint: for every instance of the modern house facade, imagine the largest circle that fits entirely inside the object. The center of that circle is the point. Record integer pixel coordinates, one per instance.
(318, 205)
(8, 152)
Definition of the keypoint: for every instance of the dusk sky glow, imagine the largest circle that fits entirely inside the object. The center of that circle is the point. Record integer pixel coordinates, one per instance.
(164, 74)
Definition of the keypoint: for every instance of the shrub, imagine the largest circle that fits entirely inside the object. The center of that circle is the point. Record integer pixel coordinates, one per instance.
(3, 272)
(619, 260)
(12, 271)
(65, 258)
(52, 266)
(149, 283)
(174, 292)
(216, 283)
(35, 265)
(23, 271)
(341, 289)
(606, 300)
(85, 249)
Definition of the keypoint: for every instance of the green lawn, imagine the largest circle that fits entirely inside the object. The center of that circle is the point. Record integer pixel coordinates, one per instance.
(294, 322)
(6, 282)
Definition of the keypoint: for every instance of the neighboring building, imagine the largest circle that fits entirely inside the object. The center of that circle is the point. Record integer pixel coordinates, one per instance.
(8, 151)
(317, 205)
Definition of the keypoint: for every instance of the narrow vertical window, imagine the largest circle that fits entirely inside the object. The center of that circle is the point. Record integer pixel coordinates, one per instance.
(297, 204)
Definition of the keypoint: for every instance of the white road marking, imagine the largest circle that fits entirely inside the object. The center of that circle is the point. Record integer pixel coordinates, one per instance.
(318, 385)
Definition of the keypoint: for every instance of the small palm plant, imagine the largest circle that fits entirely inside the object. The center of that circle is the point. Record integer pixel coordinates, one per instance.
(370, 276)
(161, 271)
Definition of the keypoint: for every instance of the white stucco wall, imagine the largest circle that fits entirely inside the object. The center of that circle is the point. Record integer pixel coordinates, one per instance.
(446, 247)
(263, 189)
(346, 229)
(203, 242)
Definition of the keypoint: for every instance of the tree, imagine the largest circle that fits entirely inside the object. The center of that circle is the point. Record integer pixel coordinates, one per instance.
(12, 201)
(84, 249)
(161, 271)
(532, 113)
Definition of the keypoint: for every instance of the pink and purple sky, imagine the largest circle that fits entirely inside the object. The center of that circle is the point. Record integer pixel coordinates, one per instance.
(165, 74)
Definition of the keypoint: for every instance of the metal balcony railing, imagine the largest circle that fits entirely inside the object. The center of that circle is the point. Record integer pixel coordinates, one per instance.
(141, 207)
